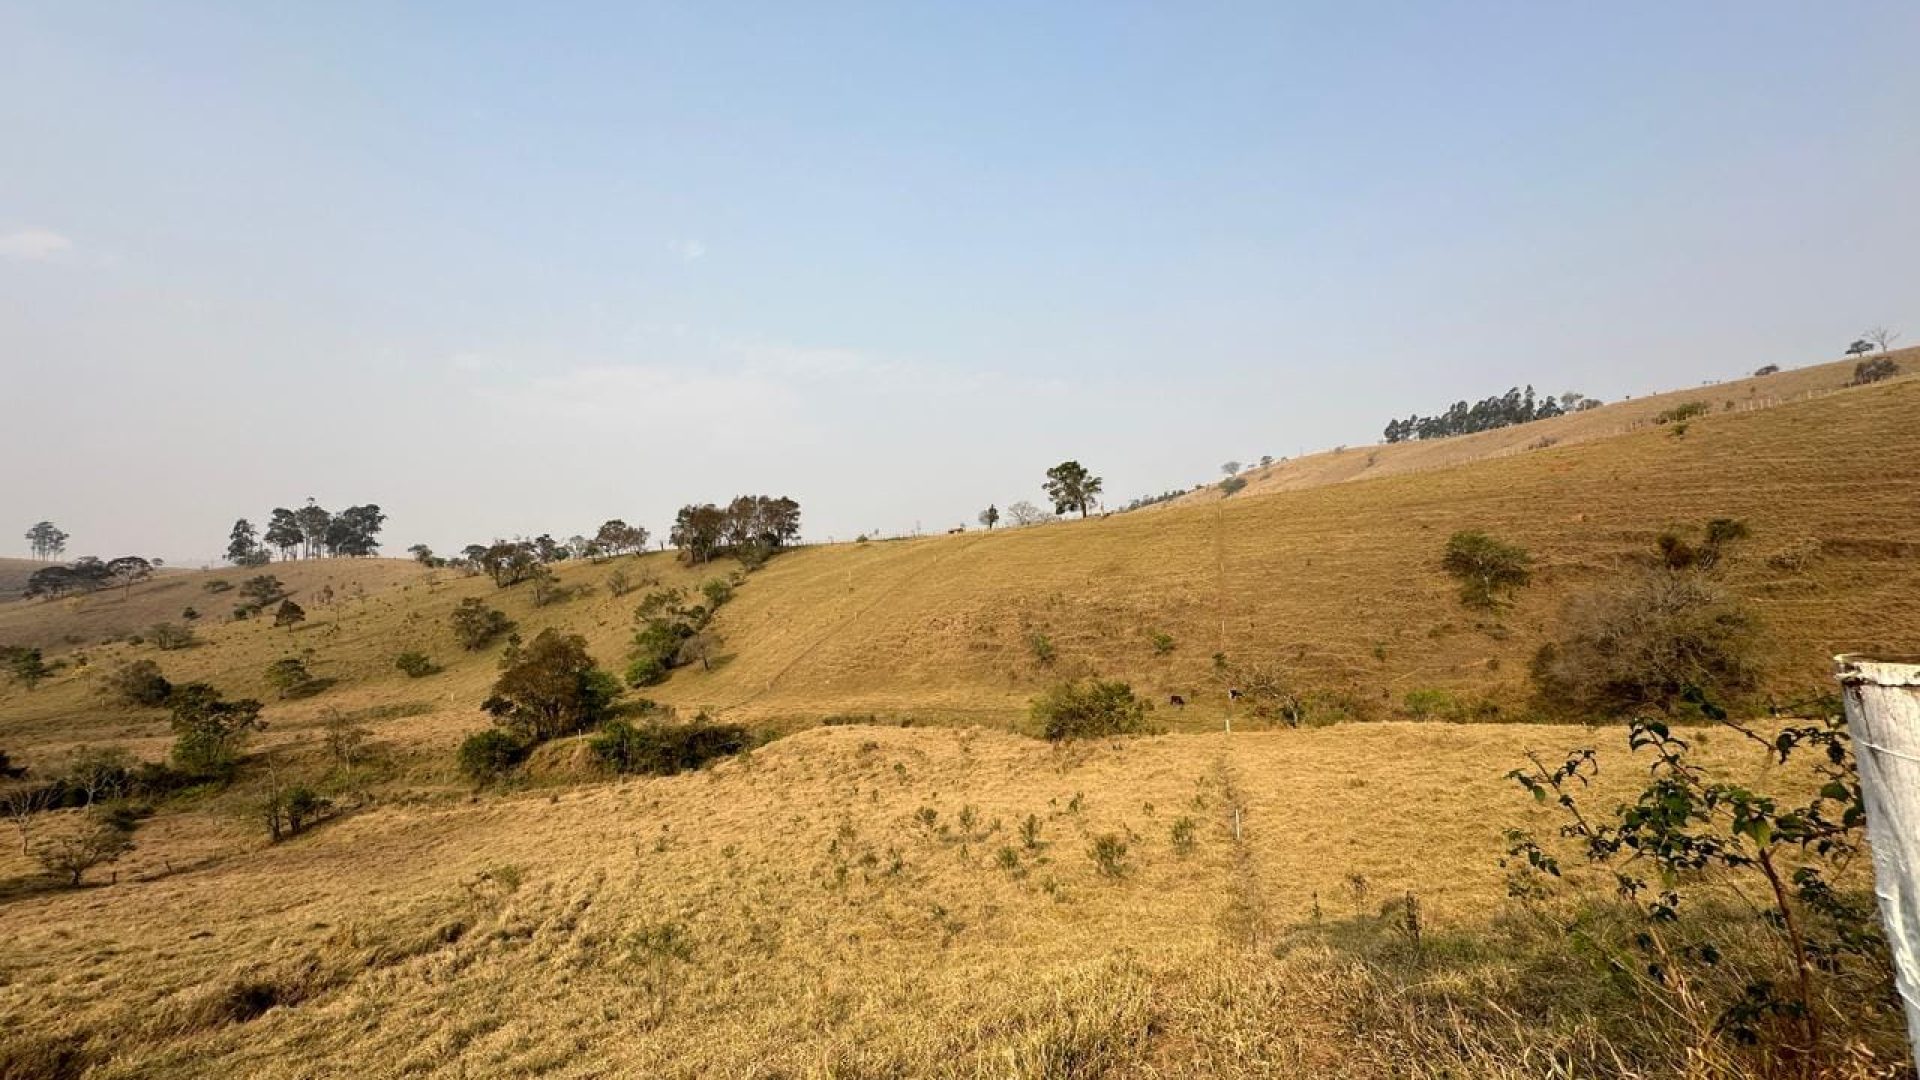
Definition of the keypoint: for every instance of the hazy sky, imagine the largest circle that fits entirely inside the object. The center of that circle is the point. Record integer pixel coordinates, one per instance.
(519, 268)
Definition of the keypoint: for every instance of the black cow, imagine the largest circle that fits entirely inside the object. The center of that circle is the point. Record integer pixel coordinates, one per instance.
(1177, 701)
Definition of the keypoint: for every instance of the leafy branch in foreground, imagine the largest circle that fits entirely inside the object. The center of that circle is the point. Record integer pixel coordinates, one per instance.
(1688, 831)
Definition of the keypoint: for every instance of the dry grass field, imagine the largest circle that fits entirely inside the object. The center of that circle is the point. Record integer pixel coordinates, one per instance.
(834, 905)
(858, 899)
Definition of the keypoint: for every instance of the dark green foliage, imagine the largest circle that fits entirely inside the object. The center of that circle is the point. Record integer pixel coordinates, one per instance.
(673, 632)
(1681, 413)
(552, 689)
(139, 683)
(1488, 570)
(169, 637)
(289, 614)
(209, 730)
(289, 676)
(1689, 834)
(1109, 854)
(1514, 407)
(24, 665)
(1094, 709)
(486, 756)
(1071, 487)
(1232, 485)
(646, 670)
(262, 589)
(475, 625)
(415, 665)
(661, 748)
(1679, 553)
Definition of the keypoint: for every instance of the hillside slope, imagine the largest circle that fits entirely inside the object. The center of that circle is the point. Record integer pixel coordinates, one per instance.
(1616, 418)
(1339, 585)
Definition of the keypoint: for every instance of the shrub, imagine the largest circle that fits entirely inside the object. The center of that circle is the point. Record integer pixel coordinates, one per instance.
(1094, 709)
(619, 584)
(1428, 704)
(415, 665)
(1109, 855)
(217, 586)
(1232, 485)
(101, 838)
(168, 637)
(646, 671)
(1681, 413)
(1041, 646)
(289, 614)
(1488, 570)
(552, 689)
(662, 748)
(1644, 640)
(261, 590)
(1679, 553)
(717, 591)
(1874, 370)
(1768, 369)
(475, 625)
(1162, 643)
(24, 665)
(289, 676)
(486, 756)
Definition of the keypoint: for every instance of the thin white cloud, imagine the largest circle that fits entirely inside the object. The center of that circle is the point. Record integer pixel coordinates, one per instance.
(689, 250)
(33, 245)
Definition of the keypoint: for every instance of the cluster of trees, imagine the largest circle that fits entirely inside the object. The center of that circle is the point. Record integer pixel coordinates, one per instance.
(1516, 406)
(1879, 338)
(750, 528)
(673, 632)
(510, 562)
(310, 532)
(89, 574)
(1069, 485)
(46, 540)
(551, 688)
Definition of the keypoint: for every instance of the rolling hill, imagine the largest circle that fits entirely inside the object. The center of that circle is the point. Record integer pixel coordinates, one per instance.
(861, 898)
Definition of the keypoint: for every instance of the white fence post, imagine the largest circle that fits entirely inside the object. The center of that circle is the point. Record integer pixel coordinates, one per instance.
(1883, 716)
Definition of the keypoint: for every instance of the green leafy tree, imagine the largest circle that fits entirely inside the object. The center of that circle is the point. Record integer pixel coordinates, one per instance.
(1489, 570)
(290, 677)
(139, 683)
(243, 545)
(209, 730)
(284, 532)
(262, 589)
(46, 540)
(552, 689)
(128, 569)
(24, 665)
(699, 531)
(289, 614)
(475, 625)
(1071, 487)
(486, 756)
(314, 520)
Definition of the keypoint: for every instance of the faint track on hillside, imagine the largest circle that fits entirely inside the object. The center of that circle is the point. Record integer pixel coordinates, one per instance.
(886, 593)
(1246, 918)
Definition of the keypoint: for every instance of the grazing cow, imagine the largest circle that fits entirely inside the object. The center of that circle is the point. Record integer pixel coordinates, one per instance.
(1233, 694)
(961, 529)
(1177, 701)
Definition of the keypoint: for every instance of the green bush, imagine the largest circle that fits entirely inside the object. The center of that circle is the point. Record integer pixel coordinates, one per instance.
(1094, 709)
(289, 676)
(486, 756)
(1682, 413)
(415, 665)
(646, 671)
(475, 625)
(170, 636)
(1488, 569)
(662, 748)
(139, 683)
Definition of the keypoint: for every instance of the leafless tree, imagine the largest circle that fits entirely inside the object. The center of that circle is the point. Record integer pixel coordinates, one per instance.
(1882, 337)
(19, 803)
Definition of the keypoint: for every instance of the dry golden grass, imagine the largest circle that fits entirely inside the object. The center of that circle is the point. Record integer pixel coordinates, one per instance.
(794, 914)
(791, 913)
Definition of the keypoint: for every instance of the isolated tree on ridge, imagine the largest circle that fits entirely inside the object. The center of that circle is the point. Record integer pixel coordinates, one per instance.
(1071, 487)
(990, 516)
(47, 541)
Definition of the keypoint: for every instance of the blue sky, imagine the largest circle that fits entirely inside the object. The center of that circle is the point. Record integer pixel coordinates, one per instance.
(517, 269)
